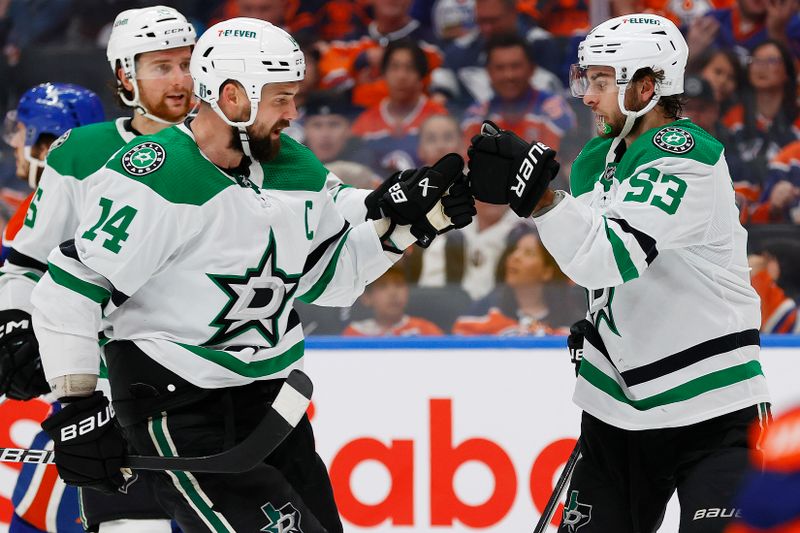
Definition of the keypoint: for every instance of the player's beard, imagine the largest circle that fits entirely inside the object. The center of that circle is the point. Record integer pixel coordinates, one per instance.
(612, 125)
(163, 110)
(262, 147)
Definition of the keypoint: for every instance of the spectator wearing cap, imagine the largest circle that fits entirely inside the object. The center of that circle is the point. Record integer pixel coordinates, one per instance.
(517, 105)
(391, 128)
(701, 106)
(328, 130)
(453, 19)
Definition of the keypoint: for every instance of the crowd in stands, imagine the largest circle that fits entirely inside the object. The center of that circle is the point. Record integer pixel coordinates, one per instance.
(394, 84)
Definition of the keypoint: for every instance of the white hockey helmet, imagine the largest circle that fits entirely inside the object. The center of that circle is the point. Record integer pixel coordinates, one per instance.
(630, 43)
(250, 51)
(137, 31)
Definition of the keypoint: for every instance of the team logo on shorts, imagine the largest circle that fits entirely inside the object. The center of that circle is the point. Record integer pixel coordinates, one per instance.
(675, 140)
(576, 514)
(143, 158)
(283, 520)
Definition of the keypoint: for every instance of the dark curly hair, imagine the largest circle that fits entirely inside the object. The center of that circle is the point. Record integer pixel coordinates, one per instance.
(672, 105)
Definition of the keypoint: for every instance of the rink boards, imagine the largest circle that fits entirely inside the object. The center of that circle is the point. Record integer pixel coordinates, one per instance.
(441, 434)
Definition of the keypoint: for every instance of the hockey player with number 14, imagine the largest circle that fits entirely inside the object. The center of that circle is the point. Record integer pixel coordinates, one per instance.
(670, 378)
(194, 267)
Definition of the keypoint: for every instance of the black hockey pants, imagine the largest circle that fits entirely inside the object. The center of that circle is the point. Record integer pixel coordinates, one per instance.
(624, 479)
(289, 491)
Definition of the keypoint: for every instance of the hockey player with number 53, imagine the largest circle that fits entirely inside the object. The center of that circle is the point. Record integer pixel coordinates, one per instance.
(670, 378)
(192, 245)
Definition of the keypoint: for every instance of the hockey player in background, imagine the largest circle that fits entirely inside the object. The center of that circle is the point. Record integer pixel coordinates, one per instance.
(42, 503)
(148, 51)
(670, 379)
(194, 267)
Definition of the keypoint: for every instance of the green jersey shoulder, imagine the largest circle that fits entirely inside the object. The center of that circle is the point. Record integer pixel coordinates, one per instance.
(588, 166)
(170, 163)
(83, 150)
(295, 168)
(679, 139)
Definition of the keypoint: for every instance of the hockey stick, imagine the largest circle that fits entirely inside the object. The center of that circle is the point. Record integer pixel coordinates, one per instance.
(558, 490)
(284, 414)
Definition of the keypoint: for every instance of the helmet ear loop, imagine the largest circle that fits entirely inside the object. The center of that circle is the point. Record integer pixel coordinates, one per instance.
(241, 125)
(631, 116)
(34, 166)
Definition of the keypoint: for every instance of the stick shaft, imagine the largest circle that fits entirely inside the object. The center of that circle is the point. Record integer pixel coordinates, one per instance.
(558, 490)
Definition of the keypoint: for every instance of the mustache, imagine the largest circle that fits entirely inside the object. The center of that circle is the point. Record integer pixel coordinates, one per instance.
(281, 124)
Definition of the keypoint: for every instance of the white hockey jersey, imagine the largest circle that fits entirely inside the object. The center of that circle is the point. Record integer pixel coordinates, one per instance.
(53, 214)
(655, 239)
(200, 268)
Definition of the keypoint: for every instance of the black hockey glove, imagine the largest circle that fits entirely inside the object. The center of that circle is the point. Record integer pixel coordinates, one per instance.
(413, 200)
(504, 169)
(88, 444)
(577, 333)
(458, 204)
(21, 373)
(374, 199)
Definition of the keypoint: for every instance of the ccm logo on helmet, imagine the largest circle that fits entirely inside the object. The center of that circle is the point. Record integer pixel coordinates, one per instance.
(528, 164)
(237, 33)
(87, 424)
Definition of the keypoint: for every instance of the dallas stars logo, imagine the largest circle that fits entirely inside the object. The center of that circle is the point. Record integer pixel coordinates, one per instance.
(675, 140)
(283, 520)
(576, 514)
(256, 299)
(143, 158)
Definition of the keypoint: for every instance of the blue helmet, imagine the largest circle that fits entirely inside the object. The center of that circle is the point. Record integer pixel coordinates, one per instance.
(55, 108)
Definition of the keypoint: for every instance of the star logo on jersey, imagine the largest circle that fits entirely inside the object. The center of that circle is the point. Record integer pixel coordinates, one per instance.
(674, 140)
(576, 514)
(256, 299)
(283, 520)
(143, 158)
(61, 140)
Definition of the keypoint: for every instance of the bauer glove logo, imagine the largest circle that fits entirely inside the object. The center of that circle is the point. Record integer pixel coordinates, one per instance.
(527, 167)
(87, 425)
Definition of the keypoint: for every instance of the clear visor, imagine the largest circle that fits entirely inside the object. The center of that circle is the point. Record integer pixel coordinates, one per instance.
(13, 130)
(162, 70)
(582, 82)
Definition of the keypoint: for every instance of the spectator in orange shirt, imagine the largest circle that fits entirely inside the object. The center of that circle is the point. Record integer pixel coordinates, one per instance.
(765, 121)
(534, 298)
(388, 298)
(391, 128)
(778, 311)
(356, 63)
(780, 200)
(516, 104)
